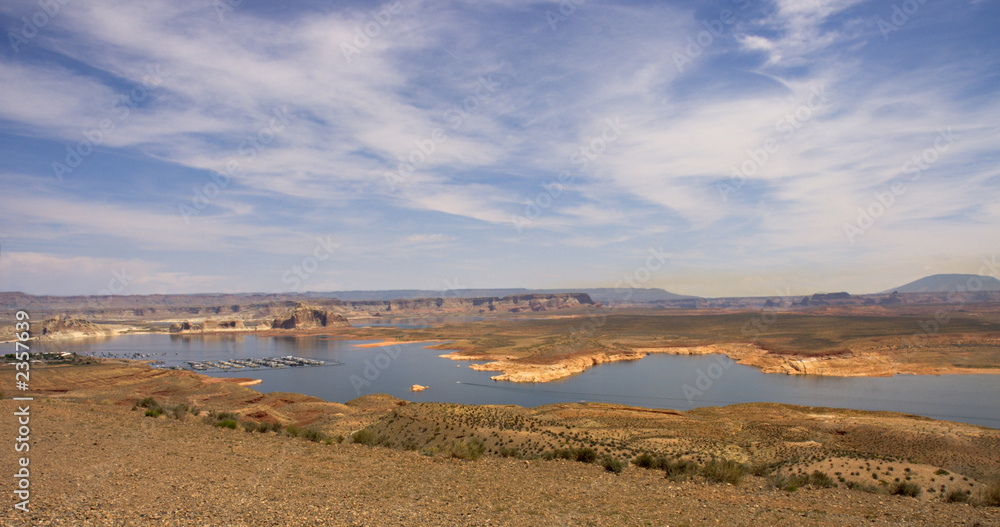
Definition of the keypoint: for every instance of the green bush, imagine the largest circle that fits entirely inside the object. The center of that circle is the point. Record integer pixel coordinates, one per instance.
(313, 435)
(792, 482)
(155, 412)
(941, 472)
(293, 430)
(680, 469)
(990, 497)
(471, 449)
(509, 452)
(226, 423)
(957, 496)
(644, 460)
(854, 485)
(612, 465)
(148, 402)
(250, 426)
(905, 488)
(821, 480)
(724, 471)
(761, 469)
(364, 437)
(178, 411)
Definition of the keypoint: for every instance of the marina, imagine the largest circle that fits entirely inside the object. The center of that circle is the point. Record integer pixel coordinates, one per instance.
(254, 363)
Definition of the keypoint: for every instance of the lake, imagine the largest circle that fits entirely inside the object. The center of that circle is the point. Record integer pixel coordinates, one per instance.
(657, 381)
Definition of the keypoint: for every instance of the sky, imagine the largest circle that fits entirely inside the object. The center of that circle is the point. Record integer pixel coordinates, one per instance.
(716, 148)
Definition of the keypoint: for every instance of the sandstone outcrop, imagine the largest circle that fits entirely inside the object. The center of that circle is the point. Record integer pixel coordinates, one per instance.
(208, 326)
(305, 317)
(67, 327)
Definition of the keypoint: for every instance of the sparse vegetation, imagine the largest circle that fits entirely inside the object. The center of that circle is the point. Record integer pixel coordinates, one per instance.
(957, 496)
(612, 465)
(990, 497)
(905, 488)
(363, 437)
(470, 449)
(818, 480)
(724, 471)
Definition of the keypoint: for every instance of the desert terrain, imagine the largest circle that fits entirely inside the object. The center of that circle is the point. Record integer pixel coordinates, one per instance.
(119, 443)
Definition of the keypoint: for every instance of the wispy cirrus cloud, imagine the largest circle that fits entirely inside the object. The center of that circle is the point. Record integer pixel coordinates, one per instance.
(513, 102)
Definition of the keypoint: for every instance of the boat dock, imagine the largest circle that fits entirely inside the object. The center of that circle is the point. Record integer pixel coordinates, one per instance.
(259, 363)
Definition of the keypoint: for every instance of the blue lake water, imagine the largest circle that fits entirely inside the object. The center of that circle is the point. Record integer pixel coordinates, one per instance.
(657, 381)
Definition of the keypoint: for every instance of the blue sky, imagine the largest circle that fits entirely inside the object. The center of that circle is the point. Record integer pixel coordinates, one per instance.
(757, 147)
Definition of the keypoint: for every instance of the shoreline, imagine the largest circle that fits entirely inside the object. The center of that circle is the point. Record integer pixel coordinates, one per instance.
(514, 369)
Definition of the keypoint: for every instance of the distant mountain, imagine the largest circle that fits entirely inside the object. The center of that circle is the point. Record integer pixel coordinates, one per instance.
(601, 294)
(944, 283)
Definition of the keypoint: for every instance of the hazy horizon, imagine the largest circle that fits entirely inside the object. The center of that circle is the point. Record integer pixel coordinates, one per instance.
(731, 148)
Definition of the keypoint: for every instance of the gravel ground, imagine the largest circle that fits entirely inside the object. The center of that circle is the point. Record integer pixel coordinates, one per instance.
(105, 465)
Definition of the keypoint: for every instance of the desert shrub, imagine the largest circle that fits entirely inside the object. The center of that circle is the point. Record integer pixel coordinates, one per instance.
(585, 455)
(339, 439)
(941, 472)
(680, 469)
(957, 496)
(509, 452)
(148, 402)
(471, 449)
(821, 480)
(905, 488)
(293, 430)
(989, 497)
(364, 437)
(226, 423)
(154, 412)
(644, 460)
(612, 465)
(854, 485)
(250, 426)
(178, 411)
(724, 471)
(761, 469)
(789, 483)
(313, 435)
